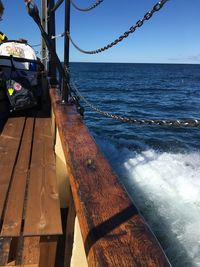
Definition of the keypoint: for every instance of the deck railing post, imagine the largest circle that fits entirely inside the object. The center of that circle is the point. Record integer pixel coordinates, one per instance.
(44, 50)
(51, 32)
(65, 86)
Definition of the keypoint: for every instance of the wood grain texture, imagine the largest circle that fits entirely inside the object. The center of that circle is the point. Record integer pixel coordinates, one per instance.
(28, 265)
(43, 210)
(15, 203)
(9, 145)
(4, 250)
(28, 251)
(114, 233)
(48, 246)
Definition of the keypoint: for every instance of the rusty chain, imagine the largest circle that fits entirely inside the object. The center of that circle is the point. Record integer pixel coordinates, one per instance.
(88, 8)
(132, 29)
(176, 123)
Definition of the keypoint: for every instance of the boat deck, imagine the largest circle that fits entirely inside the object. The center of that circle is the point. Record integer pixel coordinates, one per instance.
(102, 221)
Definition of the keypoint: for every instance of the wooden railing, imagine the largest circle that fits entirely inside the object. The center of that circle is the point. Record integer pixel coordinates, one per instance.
(113, 232)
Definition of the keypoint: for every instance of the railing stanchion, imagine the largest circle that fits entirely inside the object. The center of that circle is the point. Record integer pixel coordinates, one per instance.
(51, 31)
(65, 87)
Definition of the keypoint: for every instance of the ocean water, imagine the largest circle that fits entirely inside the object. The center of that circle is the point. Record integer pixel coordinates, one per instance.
(158, 166)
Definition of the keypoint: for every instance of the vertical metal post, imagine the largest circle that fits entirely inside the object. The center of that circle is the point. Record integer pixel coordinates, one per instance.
(51, 32)
(67, 29)
(65, 89)
(44, 25)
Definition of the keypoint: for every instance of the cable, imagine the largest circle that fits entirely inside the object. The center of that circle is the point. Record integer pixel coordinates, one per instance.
(132, 29)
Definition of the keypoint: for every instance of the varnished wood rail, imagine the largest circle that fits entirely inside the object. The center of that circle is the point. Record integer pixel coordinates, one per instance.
(113, 232)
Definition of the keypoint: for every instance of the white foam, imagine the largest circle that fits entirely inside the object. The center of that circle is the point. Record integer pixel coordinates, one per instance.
(166, 187)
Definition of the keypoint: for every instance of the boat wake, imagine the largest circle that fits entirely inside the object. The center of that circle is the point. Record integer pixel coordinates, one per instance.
(165, 187)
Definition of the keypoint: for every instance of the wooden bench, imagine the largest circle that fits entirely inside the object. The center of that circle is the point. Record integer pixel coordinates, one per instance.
(30, 218)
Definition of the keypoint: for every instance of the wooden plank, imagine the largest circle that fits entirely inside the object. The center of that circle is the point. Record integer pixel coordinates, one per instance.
(48, 247)
(28, 265)
(28, 251)
(43, 210)
(9, 145)
(113, 231)
(14, 208)
(4, 250)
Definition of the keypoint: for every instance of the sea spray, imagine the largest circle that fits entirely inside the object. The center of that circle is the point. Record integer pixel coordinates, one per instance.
(166, 189)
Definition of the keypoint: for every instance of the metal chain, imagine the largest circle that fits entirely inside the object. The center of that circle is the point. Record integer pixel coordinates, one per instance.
(176, 123)
(80, 9)
(88, 8)
(132, 29)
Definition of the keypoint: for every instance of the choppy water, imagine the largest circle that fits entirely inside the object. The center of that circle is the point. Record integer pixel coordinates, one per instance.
(159, 166)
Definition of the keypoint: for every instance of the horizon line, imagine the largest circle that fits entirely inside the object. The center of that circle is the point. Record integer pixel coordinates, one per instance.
(169, 63)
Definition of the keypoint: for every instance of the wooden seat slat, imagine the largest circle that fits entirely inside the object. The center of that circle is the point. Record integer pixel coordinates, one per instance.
(42, 213)
(26, 265)
(9, 145)
(14, 208)
(4, 250)
(48, 251)
(29, 251)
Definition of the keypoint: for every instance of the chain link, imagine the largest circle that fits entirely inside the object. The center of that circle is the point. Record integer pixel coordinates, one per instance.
(132, 29)
(176, 123)
(88, 8)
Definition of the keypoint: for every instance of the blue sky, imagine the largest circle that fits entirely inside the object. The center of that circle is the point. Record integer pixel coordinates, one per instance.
(171, 36)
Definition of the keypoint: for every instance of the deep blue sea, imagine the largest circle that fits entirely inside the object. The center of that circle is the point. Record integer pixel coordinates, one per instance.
(158, 166)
